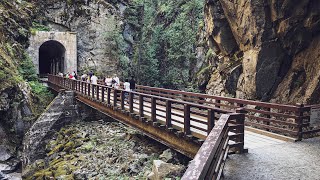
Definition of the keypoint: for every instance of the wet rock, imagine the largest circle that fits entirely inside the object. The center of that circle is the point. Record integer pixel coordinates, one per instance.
(161, 170)
(5, 154)
(167, 156)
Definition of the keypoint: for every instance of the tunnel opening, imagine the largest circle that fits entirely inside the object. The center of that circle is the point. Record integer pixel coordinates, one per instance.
(51, 58)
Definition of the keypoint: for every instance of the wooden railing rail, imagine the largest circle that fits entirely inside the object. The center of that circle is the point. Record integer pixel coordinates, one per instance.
(188, 119)
(210, 159)
(289, 120)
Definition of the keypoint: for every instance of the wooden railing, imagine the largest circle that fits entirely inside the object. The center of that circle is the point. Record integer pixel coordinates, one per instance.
(210, 159)
(186, 119)
(289, 120)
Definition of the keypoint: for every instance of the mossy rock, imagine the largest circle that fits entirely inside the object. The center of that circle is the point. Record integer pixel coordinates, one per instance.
(56, 149)
(69, 146)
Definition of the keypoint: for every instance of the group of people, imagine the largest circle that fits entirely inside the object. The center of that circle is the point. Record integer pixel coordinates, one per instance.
(128, 85)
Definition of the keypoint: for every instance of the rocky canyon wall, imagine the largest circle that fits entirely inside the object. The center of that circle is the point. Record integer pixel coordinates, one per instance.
(100, 26)
(262, 49)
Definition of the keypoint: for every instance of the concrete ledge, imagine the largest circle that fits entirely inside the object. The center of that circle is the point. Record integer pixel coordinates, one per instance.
(270, 134)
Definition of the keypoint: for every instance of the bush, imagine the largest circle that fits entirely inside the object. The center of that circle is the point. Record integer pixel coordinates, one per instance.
(27, 70)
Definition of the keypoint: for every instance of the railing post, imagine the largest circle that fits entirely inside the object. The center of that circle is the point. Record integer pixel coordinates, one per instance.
(85, 88)
(153, 109)
(122, 99)
(141, 106)
(98, 87)
(219, 102)
(240, 129)
(81, 87)
(92, 86)
(89, 89)
(187, 119)
(108, 95)
(131, 102)
(115, 97)
(102, 93)
(168, 114)
(299, 121)
(211, 120)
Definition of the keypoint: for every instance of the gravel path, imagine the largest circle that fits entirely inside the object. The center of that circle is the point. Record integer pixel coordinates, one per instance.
(300, 160)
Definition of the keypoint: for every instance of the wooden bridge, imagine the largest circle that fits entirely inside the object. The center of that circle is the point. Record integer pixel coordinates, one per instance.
(204, 127)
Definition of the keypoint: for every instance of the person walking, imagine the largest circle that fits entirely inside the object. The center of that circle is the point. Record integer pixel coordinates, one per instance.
(132, 83)
(94, 79)
(116, 81)
(84, 77)
(126, 87)
(108, 81)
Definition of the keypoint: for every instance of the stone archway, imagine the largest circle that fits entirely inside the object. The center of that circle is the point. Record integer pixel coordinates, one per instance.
(53, 52)
(51, 57)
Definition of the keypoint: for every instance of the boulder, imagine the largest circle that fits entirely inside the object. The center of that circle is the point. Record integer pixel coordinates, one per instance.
(167, 156)
(161, 170)
(5, 154)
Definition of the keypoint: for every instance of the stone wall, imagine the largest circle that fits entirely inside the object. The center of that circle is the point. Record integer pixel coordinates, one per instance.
(67, 39)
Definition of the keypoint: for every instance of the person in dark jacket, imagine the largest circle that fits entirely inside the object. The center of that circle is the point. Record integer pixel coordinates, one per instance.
(132, 84)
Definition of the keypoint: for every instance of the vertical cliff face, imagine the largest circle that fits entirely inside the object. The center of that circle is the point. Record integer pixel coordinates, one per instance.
(258, 44)
(102, 31)
(16, 112)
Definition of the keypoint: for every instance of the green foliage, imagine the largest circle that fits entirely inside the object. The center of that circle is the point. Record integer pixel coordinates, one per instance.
(27, 69)
(42, 96)
(165, 53)
(38, 27)
(117, 50)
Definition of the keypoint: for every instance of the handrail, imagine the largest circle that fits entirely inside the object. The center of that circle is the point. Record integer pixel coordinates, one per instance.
(190, 118)
(210, 159)
(289, 120)
(235, 100)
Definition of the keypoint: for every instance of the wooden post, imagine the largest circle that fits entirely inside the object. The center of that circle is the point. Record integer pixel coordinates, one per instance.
(168, 114)
(187, 119)
(141, 106)
(131, 102)
(210, 120)
(98, 93)
(108, 95)
(115, 97)
(299, 121)
(240, 130)
(102, 93)
(93, 90)
(219, 102)
(122, 99)
(153, 109)
(79, 86)
(85, 88)
(88, 89)
(267, 116)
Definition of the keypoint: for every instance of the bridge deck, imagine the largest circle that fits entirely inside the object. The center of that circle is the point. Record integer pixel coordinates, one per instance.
(286, 160)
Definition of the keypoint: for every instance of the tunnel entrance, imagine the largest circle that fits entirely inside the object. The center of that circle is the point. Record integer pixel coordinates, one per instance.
(51, 58)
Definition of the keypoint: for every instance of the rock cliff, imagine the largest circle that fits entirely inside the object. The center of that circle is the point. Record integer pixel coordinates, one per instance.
(266, 50)
(102, 28)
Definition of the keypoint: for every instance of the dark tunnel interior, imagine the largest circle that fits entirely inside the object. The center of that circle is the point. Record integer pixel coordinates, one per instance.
(51, 58)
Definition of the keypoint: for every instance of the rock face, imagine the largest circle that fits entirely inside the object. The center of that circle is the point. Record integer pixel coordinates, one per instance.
(99, 25)
(265, 37)
(59, 113)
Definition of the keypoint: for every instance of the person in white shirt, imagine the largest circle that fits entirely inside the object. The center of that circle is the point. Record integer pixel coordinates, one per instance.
(108, 81)
(94, 79)
(117, 82)
(126, 87)
(84, 77)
